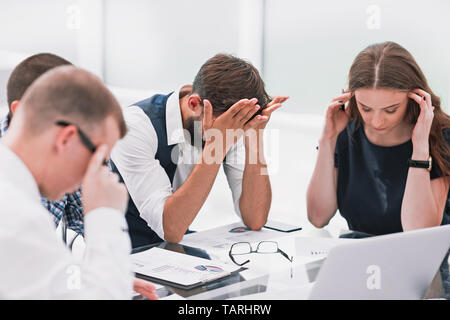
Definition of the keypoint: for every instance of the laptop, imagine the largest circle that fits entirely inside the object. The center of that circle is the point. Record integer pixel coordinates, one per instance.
(396, 266)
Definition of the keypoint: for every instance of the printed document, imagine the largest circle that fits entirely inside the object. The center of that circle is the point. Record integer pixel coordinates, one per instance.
(178, 268)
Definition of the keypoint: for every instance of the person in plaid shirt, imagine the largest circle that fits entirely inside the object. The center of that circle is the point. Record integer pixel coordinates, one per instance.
(69, 209)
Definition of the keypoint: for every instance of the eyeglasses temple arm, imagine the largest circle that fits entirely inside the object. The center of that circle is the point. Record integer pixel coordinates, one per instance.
(86, 141)
(285, 255)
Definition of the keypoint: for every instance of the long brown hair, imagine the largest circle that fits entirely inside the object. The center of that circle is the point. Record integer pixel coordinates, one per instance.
(390, 66)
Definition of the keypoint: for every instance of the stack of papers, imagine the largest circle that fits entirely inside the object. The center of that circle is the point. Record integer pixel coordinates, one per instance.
(177, 269)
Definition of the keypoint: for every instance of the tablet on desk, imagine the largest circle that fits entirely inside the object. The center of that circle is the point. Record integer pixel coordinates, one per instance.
(281, 226)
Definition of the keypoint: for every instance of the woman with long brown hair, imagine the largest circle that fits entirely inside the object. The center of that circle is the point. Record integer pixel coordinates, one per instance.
(384, 157)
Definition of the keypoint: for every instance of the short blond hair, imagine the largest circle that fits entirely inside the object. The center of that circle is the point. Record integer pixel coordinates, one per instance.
(73, 94)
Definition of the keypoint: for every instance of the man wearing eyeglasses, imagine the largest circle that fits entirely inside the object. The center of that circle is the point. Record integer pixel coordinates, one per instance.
(69, 209)
(38, 156)
(178, 142)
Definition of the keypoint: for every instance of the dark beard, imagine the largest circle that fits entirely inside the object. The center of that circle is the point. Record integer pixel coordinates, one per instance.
(195, 136)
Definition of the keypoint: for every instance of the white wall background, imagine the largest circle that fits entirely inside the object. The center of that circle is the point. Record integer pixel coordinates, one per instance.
(309, 46)
(158, 44)
(303, 49)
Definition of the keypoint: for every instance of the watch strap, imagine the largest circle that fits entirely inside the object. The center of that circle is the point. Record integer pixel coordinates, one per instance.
(425, 164)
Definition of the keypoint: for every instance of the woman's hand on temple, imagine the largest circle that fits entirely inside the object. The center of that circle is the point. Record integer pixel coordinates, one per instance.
(421, 132)
(337, 116)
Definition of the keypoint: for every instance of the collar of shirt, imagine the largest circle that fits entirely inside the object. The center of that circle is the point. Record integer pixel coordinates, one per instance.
(174, 123)
(14, 171)
(187, 153)
(55, 207)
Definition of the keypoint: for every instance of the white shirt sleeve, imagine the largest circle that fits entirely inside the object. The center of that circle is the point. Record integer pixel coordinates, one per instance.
(233, 167)
(37, 265)
(146, 180)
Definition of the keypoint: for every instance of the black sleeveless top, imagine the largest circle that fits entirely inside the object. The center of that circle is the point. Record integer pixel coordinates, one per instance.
(371, 182)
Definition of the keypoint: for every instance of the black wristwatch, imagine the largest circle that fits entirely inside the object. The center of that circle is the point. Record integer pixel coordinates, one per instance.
(420, 164)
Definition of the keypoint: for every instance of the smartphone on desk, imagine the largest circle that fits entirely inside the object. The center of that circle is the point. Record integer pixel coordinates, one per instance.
(281, 226)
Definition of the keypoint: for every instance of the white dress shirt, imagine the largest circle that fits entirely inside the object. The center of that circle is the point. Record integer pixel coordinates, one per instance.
(146, 180)
(35, 264)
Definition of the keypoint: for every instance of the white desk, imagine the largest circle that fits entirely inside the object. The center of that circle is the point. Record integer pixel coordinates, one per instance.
(271, 276)
(268, 276)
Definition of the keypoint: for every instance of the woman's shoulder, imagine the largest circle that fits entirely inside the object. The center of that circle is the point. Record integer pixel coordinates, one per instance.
(436, 171)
